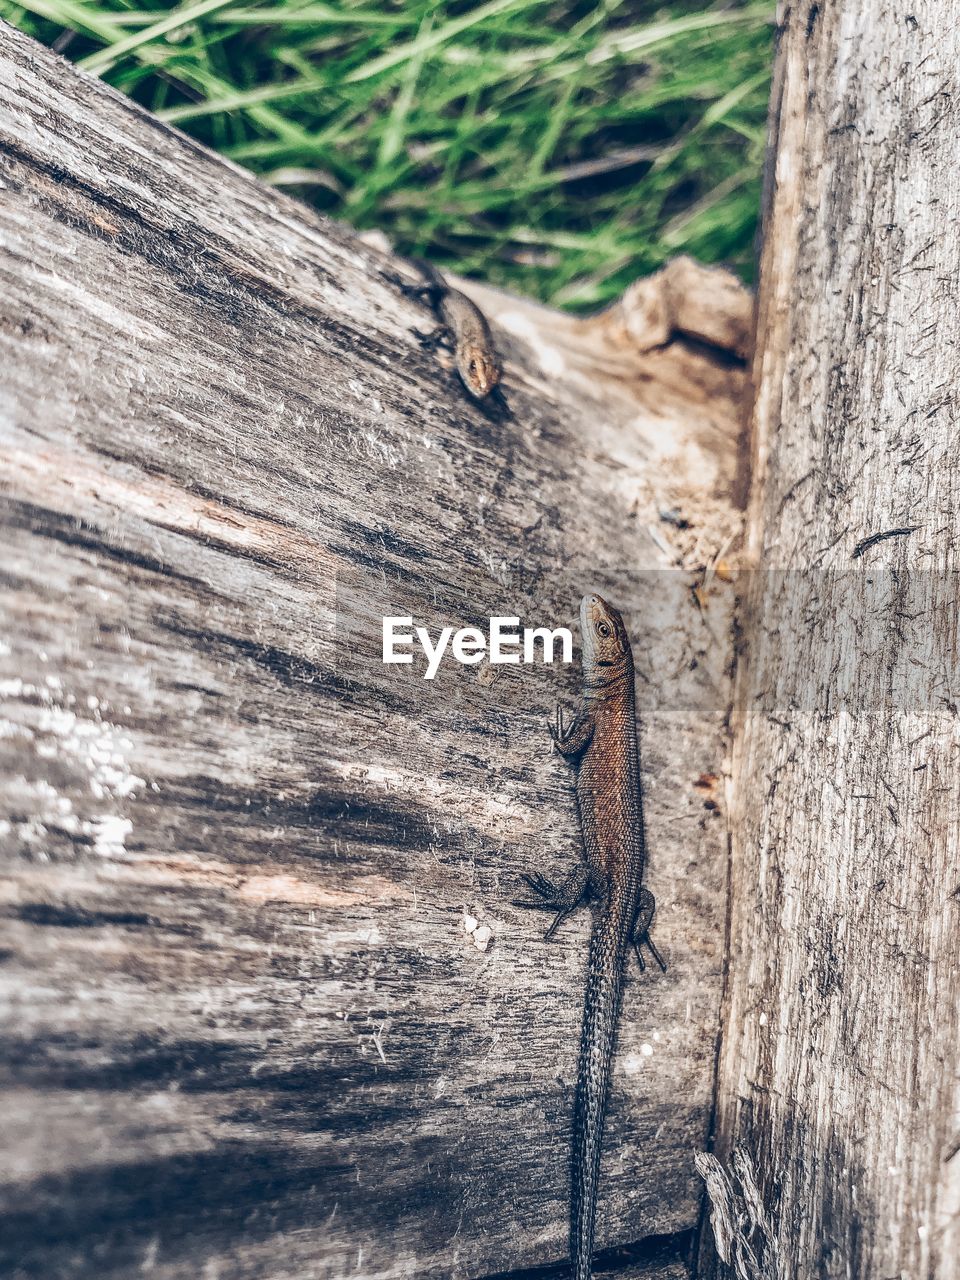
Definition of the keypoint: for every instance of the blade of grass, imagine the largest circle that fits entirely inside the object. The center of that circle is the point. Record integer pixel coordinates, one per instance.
(103, 59)
(556, 122)
(314, 13)
(440, 36)
(393, 134)
(74, 16)
(633, 42)
(241, 99)
(718, 111)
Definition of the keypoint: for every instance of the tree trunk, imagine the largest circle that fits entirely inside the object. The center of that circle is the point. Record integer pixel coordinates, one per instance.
(247, 1029)
(838, 1085)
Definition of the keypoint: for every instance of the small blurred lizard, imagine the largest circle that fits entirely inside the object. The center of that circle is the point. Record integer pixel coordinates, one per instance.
(461, 322)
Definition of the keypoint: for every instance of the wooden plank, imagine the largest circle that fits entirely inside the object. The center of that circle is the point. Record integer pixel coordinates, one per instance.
(246, 1033)
(839, 1093)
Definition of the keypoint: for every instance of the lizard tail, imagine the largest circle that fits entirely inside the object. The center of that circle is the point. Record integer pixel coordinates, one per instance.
(601, 1010)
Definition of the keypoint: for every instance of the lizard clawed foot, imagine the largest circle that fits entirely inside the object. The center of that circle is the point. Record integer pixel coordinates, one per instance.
(556, 728)
(571, 740)
(646, 939)
(640, 934)
(562, 898)
(547, 890)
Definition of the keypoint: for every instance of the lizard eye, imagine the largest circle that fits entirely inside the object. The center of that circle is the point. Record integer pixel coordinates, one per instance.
(603, 629)
(473, 368)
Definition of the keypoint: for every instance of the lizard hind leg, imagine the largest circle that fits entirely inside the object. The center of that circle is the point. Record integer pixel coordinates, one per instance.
(641, 930)
(419, 292)
(562, 898)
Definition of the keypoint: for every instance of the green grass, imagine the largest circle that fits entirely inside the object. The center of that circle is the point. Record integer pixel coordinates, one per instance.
(558, 148)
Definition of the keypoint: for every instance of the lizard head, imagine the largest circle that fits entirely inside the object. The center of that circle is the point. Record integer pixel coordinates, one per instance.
(478, 368)
(606, 646)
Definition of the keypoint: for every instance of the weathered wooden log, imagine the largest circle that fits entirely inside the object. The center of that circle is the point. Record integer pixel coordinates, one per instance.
(838, 1083)
(246, 1029)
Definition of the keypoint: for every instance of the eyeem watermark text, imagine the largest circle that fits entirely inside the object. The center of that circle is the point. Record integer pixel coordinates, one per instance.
(502, 643)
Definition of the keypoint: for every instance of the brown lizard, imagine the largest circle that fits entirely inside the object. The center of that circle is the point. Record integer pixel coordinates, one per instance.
(463, 323)
(602, 744)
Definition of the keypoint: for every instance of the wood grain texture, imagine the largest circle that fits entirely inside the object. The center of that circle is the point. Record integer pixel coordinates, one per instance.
(839, 1068)
(245, 1031)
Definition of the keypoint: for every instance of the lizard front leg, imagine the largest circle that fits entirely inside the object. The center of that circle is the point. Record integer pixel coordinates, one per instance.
(438, 337)
(573, 741)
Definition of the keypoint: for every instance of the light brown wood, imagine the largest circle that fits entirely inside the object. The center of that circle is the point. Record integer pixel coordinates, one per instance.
(839, 1074)
(245, 1030)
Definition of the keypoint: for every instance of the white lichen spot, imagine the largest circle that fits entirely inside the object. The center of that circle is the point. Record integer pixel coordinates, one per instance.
(8, 729)
(647, 1050)
(97, 745)
(83, 746)
(16, 688)
(110, 834)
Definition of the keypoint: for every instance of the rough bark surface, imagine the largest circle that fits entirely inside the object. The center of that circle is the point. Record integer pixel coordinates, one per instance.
(839, 1068)
(246, 1029)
